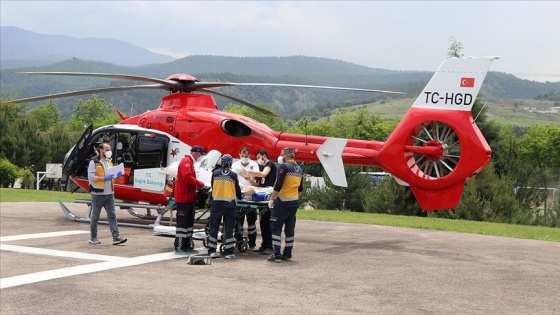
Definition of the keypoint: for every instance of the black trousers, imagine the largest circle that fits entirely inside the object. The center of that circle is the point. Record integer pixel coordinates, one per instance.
(283, 217)
(266, 233)
(216, 215)
(251, 227)
(184, 229)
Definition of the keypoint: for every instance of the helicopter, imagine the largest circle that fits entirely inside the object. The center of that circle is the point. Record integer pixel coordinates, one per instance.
(434, 149)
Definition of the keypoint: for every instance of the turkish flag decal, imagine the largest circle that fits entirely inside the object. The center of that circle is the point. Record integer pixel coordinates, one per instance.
(467, 82)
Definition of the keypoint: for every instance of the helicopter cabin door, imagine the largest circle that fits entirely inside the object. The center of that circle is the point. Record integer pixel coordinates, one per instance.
(78, 154)
(150, 157)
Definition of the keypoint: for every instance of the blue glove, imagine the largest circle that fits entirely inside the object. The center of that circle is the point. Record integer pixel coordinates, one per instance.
(119, 175)
(108, 177)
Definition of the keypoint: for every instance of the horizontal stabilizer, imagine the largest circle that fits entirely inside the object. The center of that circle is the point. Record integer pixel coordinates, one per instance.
(441, 199)
(330, 155)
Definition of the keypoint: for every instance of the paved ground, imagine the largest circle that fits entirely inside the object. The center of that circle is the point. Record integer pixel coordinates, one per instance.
(337, 269)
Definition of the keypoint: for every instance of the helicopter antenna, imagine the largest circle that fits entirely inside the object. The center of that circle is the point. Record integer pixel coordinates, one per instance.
(305, 128)
(480, 110)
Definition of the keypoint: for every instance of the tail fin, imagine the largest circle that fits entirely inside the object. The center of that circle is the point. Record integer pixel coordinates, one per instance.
(437, 146)
(122, 115)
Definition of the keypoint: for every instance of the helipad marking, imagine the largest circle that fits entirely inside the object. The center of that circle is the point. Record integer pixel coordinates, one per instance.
(39, 235)
(59, 253)
(84, 269)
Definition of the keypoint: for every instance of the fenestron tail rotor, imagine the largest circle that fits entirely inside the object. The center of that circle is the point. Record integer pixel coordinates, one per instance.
(436, 150)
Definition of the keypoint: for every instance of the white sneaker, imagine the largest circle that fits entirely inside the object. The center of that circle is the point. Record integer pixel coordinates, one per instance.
(232, 256)
(215, 255)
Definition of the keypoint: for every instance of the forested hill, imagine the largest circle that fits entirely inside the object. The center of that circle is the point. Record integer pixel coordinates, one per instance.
(286, 101)
(20, 48)
(269, 66)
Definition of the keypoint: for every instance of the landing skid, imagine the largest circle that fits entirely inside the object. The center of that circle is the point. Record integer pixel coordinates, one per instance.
(157, 227)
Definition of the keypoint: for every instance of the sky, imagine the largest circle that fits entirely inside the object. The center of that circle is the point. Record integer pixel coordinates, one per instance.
(396, 35)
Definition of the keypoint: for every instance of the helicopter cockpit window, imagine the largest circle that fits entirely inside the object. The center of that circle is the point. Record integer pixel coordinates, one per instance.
(151, 151)
(124, 148)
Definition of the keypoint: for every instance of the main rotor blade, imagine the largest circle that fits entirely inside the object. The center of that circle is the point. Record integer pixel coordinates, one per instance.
(169, 83)
(92, 91)
(255, 107)
(199, 85)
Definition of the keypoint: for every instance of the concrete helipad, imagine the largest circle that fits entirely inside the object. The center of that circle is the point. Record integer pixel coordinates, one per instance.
(48, 267)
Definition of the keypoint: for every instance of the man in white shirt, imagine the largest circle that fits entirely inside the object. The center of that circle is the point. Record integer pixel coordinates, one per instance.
(245, 164)
(240, 167)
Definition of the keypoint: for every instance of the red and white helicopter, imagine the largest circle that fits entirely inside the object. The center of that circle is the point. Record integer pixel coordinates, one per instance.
(434, 149)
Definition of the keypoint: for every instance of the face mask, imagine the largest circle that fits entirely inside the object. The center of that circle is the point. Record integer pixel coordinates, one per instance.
(108, 154)
(281, 159)
(260, 161)
(244, 160)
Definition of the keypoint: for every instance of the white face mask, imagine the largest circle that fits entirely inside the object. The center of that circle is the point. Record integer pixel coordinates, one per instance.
(244, 160)
(260, 161)
(281, 159)
(108, 154)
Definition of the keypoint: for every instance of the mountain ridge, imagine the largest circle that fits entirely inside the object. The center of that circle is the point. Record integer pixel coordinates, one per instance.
(303, 70)
(18, 46)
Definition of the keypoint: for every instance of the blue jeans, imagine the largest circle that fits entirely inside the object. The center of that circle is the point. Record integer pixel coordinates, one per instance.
(107, 202)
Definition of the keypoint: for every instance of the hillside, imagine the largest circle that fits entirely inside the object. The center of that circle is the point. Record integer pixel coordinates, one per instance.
(518, 112)
(288, 102)
(21, 48)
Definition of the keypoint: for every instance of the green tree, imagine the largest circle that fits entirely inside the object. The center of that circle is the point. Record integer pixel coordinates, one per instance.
(389, 197)
(9, 172)
(94, 111)
(535, 149)
(333, 197)
(62, 140)
(47, 115)
(455, 48)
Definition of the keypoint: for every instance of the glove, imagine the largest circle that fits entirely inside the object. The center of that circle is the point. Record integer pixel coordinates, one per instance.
(205, 187)
(119, 175)
(271, 203)
(108, 177)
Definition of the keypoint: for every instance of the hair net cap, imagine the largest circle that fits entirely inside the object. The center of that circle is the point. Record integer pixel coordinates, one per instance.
(227, 160)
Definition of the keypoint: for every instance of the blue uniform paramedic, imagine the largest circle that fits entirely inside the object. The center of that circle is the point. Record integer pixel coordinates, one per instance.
(284, 203)
(101, 187)
(225, 193)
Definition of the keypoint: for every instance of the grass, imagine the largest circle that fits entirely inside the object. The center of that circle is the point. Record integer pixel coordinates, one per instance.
(462, 226)
(505, 111)
(484, 228)
(28, 195)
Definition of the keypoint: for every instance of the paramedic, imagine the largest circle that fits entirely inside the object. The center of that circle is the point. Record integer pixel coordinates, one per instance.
(101, 187)
(267, 179)
(284, 203)
(246, 164)
(185, 196)
(225, 191)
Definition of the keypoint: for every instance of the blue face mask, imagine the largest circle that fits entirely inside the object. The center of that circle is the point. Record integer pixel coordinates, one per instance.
(245, 160)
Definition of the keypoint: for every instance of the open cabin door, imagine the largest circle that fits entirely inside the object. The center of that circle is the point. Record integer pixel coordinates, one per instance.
(78, 154)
